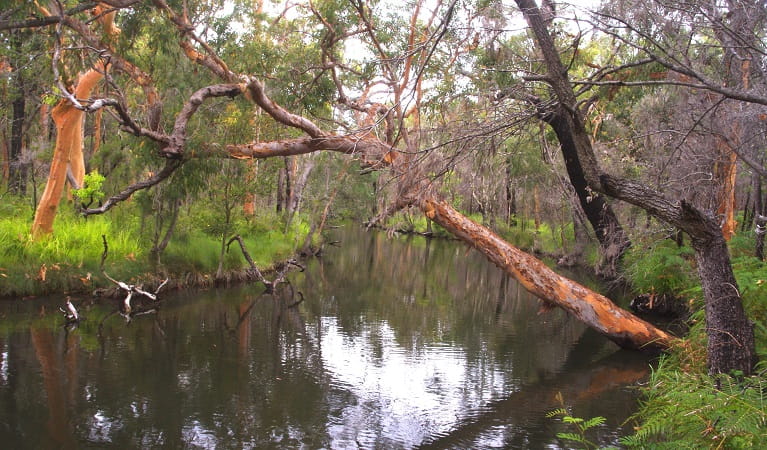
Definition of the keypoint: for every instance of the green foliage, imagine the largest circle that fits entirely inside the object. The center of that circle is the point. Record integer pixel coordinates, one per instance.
(91, 190)
(693, 410)
(660, 267)
(686, 408)
(67, 260)
(578, 437)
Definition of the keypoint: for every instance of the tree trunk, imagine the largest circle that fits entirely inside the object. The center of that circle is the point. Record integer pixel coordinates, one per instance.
(510, 200)
(96, 143)
(761, 229)
(731, 339)
(608, 230)
(758, 201)
(726, 172)
(748, 216)
(280, 191)
(593, 309)
(536, 209)
(760, 221)
(69, 134)
(298, 188)
(730, 333)
(249, 204)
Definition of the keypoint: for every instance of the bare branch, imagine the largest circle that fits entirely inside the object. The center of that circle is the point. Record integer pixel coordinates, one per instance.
(47, 20)
(170, 166)
(177, 142)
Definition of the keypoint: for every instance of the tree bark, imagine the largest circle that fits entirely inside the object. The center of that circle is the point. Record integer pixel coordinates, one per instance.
(69, 135)
(726, 173)
(297, 193)
(609, 232)
(760, 223)
(730, 335)
(595, 310)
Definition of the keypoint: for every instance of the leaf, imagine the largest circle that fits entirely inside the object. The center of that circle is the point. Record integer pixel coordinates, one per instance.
(570, 437)
(594, 421)
(568, 419)
(557, 412)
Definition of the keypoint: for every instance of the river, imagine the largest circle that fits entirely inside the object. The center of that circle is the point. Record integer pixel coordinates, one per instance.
(391, 343)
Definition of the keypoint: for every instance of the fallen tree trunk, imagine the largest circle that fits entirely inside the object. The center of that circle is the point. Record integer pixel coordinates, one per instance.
(595, 310)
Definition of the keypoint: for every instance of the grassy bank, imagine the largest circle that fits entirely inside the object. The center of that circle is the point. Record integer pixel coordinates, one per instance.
(68, 260)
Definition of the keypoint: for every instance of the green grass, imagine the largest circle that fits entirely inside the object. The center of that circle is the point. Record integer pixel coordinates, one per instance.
(65, 261)
(69, 259)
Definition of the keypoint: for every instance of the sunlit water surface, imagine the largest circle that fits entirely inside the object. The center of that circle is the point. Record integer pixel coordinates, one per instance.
(398, 343)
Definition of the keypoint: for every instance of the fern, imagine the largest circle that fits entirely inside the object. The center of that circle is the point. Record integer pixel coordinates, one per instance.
(579, 425)
(688, 411)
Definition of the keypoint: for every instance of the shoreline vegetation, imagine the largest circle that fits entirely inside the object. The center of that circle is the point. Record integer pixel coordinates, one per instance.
(68, 262)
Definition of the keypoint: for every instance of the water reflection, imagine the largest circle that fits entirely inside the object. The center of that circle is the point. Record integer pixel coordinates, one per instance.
(397, 344)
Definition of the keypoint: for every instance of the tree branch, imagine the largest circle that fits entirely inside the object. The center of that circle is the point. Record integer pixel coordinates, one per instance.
(170, 166)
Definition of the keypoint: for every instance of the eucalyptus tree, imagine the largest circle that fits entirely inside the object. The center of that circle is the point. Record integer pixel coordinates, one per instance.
(384, 134)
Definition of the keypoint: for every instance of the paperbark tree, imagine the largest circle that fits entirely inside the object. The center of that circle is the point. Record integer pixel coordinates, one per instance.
(730, 334)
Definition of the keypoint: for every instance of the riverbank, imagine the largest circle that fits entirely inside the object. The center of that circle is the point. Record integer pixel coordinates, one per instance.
(69, 260)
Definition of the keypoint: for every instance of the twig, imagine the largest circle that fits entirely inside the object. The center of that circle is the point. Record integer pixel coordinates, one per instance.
(253, 268)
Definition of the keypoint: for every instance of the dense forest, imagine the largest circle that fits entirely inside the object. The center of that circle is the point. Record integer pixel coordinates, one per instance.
(200, 140)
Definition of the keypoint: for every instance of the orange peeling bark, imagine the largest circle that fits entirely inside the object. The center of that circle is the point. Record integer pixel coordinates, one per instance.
(592, 308)
(69, 141)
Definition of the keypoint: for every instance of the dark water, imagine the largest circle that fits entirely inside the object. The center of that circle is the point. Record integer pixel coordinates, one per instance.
(399, 343)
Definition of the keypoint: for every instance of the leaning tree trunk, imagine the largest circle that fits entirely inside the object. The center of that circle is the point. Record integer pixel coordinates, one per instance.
(590, 307)
(731, 345)
(609, 232)
(730, 333)
(69, 135)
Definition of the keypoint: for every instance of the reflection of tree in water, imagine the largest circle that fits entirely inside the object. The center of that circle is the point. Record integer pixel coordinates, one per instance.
(396, 341)
(496, 419)
(436, 291)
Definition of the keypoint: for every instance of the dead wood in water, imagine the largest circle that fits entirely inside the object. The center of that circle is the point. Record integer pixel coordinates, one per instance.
(592, 308)
(254, 271)
(127, 308)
